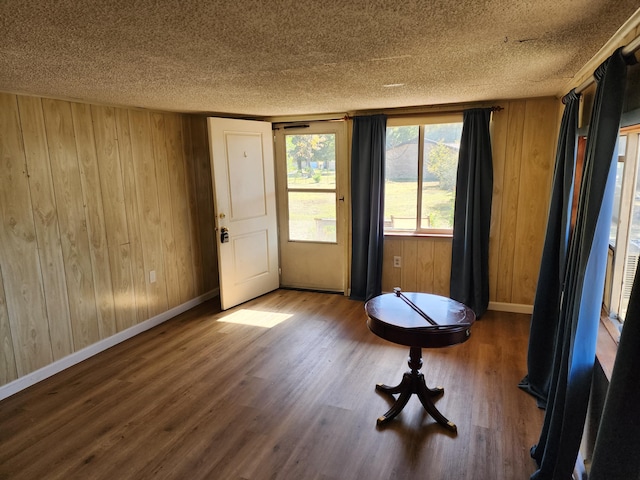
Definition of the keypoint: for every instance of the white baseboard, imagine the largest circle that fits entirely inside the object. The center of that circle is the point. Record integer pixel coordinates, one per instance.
(511, 307)
(32, 378)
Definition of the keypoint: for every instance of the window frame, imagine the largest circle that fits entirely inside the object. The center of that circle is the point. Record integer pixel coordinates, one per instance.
(288, 188)
(617, 265)
(421, 121)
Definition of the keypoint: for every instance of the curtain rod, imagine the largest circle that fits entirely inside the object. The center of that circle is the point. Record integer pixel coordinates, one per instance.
(305, 123)
(627, 51)
(493, 108)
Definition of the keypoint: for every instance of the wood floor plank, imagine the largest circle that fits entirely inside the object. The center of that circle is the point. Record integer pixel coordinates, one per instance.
(205, 396)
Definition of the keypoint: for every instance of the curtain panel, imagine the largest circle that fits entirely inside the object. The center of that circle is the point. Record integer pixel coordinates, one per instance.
(367, 205)
(546, 305)
(472, 213)
(581, 298)
(618, 442)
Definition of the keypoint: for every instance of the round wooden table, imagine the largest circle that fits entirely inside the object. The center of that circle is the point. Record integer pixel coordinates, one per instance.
(418, 320)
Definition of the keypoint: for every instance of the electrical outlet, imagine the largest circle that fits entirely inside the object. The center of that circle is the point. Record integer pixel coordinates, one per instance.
(152, 276)
(397, 262)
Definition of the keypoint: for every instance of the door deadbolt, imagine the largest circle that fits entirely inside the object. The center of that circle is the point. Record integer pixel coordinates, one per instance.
(224, 235)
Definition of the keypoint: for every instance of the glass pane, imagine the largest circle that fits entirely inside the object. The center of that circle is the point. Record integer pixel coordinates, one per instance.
(613, 231)
(401, 178)
(312, 216)
(441, 148)
(633, 251)
(311, 161)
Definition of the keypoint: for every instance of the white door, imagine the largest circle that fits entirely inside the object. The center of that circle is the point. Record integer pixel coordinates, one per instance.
(311, 163)
(245, 207)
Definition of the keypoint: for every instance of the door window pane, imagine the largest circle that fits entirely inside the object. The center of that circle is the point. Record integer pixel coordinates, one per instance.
(311, 161)
(311, 187)
(312, 216)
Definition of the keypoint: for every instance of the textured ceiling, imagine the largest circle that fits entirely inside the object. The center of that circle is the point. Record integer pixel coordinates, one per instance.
(276, 57)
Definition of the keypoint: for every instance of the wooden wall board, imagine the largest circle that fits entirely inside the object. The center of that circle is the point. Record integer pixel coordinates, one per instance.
(158, 135)
(72, 222)
(110, 169)
(133, 216)
(534, 191)
(115, 215)
(45, 217)
(19, 262)
(191, 173)
(442, 252)
(123, 286)
(499, 132)
(148, 207)
(204, 191)
(425, 261)
(409, 268)
(92, 196)
(513, 162)
(180, 206)
(8, 371)
(391, 276)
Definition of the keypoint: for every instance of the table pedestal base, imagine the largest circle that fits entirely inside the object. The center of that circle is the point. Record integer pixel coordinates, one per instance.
(413, 382)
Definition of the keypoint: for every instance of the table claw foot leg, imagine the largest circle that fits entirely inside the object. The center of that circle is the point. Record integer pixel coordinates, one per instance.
(395, 409)
(424, 394)
(387, 389)
(434, 392)
(405, 385)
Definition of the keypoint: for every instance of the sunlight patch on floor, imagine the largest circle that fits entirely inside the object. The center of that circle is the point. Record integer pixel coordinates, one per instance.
(255, 318)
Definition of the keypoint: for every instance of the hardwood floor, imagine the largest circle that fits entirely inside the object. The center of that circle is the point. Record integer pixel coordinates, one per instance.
(205, 396)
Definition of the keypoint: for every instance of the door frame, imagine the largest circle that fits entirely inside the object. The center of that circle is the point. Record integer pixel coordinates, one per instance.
(343, 171)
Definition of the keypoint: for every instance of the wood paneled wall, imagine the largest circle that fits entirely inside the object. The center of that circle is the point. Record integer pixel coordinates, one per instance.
(524, 137)
(426, 264)
(92, 199)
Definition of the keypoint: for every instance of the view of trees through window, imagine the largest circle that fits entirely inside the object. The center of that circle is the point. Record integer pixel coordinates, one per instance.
(311, 187)
(420, 176)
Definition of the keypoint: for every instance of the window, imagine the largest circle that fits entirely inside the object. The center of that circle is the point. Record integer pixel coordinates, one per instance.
(420, 176)
(622, 146)
(624, 239)
(311, 187)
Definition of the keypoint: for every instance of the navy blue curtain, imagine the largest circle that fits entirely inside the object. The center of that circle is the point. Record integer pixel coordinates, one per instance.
(546, 306)
(617, 449)
(574, 354)
(472, 213)
(367, 205)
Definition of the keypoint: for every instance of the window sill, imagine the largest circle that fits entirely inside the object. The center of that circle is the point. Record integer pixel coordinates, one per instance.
(418, 235)
(607, 345)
